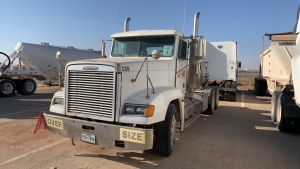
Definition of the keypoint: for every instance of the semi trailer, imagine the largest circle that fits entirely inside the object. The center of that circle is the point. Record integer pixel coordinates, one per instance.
(139, 98)
(279, 76)
(220, 68)
(29, 61)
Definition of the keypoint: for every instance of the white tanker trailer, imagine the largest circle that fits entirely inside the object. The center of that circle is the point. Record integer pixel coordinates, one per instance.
(36, 61)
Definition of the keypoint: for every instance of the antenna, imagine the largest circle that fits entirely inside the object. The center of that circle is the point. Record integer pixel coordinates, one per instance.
(115, 19)
(184, 15)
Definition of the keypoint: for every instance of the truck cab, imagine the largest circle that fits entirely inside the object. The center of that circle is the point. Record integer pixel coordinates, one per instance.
(139, 98)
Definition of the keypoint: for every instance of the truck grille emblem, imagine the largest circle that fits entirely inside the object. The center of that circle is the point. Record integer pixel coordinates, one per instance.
(220, 46)
(90, 68)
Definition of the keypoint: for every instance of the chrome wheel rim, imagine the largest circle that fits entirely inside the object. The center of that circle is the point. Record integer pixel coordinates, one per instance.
(7, 88)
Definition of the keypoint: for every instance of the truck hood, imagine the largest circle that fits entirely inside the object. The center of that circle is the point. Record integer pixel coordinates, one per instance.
(127, 64)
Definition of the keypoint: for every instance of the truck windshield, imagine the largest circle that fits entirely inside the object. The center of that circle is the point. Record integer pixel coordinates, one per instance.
(143, 46)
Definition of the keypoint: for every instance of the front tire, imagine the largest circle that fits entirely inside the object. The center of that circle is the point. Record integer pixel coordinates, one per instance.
(165, 132)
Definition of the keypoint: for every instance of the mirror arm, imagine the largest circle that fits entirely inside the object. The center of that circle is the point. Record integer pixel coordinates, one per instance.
(133, 80)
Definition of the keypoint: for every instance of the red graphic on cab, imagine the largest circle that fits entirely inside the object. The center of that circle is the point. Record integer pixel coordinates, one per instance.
(181, 74)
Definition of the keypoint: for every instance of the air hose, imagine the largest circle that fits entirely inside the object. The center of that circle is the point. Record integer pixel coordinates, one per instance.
(8, 61)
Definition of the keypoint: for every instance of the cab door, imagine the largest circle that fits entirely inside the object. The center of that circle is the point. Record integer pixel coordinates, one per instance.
(181, 65)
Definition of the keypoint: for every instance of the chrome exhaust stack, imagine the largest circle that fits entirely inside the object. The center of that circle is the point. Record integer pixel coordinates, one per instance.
(196, 25)
(193, 65)
(126, 25)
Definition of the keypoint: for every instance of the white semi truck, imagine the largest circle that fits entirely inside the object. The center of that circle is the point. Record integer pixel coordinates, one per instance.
(140, 97)
(30, 61)
(220, 68)
(279, 75)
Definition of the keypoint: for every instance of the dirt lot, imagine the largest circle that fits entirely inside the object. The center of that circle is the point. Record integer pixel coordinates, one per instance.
(246, 80)
(238, 135)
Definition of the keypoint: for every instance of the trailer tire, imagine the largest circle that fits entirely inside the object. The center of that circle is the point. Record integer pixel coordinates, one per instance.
(7, 88)
(257, 87)
(283, 123)
(234, 85)
(211, 105)
(228, 84)
(233, 96)
(27, 87)
(260, 87)
(165, 132)
(264, 88)
(217, 98)
(274, 101)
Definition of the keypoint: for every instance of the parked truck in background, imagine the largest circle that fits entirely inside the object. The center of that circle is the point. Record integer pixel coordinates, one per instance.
(279, 75)
(220, 68)
(30, 61)
(140, 97)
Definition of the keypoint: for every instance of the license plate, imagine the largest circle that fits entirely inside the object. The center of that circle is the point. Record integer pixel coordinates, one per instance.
(90, 138)
(135, 136)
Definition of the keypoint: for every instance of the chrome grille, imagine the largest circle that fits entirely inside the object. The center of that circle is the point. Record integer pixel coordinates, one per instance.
(91, 94)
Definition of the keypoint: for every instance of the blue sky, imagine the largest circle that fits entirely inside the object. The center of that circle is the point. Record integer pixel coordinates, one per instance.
(84, 23)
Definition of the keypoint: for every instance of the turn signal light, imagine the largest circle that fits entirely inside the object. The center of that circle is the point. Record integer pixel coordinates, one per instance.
(149, 111)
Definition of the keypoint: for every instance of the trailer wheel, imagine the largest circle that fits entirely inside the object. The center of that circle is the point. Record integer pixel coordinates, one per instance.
(217, 98)
(264, 88)
(27, 87)
(274, 100)
(228, 84)
(283, 123)
(165, 132)
(233, 96)
(7, 88)
(257, 87)
(211, 104)
(260, 87)
(234, 85)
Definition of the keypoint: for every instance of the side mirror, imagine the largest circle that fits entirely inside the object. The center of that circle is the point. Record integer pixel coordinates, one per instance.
(155, 54)
(240, 64)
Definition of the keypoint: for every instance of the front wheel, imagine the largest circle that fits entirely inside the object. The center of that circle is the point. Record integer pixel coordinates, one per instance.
(165, 132)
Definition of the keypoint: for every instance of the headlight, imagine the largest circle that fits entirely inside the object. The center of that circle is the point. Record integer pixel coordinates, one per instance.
(129, 109)
(132, 109)
(140, 110)
(57, 101)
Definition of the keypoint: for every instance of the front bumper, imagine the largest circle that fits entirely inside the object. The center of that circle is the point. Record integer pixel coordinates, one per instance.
(106, 135)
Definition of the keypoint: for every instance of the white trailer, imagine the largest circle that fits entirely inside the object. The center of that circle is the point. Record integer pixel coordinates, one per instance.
(279, 75)
(30, 61)
(132, 100)
(220, 68)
